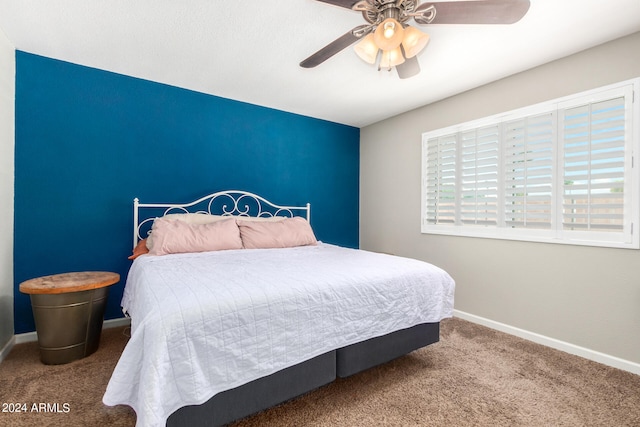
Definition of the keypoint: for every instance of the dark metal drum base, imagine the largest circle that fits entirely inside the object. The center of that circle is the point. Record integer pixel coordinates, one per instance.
(69, 324)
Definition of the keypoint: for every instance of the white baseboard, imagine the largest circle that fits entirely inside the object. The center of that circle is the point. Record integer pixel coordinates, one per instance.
(7, 348)
(33, 336)
(596, 356)
(116, 323)
(26, 337)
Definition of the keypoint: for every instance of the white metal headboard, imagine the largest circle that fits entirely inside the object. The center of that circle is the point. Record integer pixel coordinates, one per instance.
(228, 203)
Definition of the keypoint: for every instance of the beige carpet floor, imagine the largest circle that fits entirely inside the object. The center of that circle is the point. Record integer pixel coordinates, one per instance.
(474, 376)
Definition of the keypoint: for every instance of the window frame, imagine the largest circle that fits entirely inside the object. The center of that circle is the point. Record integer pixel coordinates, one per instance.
(627, 238)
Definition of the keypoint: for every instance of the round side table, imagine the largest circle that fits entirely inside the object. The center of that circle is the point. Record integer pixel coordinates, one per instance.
(68, 310)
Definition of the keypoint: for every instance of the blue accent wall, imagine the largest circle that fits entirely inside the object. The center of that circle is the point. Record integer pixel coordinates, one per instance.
(89, 141)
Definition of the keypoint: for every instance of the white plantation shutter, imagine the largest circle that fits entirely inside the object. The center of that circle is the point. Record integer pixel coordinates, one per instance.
(594, 166)
(529, 171)
(479, 175)
(559, 172)
(440, 181)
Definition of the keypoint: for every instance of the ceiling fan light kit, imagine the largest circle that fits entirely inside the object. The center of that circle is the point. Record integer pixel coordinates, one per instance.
(387, 30)
(367, 49)
(391, 58)
(414, 41)
(388, 38)
(389, 34)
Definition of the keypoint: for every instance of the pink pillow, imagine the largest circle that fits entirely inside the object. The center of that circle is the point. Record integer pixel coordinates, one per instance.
(191, 218)
(173, 237)
(287, 233)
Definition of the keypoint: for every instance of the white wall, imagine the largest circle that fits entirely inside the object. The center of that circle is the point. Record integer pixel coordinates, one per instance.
(7, 116)
(585, 296)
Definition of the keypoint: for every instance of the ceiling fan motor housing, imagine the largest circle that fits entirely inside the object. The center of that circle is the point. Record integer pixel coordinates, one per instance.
(376, 11)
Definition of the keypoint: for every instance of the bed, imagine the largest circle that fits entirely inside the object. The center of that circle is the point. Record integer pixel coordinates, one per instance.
(220, 331)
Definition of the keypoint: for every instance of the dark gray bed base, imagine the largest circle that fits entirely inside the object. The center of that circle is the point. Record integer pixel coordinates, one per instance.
(281, 386)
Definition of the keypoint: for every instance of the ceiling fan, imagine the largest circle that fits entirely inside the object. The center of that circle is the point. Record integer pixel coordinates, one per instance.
(388, 40)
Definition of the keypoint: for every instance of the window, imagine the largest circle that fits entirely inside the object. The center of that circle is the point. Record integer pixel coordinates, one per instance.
(562, 171)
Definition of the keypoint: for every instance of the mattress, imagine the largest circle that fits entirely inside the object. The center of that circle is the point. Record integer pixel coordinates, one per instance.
(203, 323)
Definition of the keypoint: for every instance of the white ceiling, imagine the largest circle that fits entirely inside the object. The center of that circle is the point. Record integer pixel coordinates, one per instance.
(249, 50)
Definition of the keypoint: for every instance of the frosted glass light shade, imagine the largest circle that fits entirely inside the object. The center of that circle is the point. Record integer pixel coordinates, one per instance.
(391, 58)
(389, 34)
(367, 49)
(414, 41)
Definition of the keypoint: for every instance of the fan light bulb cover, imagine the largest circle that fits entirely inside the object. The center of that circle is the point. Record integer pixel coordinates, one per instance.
(414, 41)
(367, 49)
(389, 34)
(391, 58)
(389, 30)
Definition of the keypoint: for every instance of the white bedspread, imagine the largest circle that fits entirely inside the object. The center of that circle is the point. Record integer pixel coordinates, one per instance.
(208, 322)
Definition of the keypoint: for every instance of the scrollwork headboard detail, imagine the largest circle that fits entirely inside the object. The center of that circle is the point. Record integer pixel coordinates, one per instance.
(227, 203)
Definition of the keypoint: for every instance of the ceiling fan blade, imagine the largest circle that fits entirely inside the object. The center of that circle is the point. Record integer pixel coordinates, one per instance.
(478, 11)
(409, 68)
(348, 4)
(336, 46)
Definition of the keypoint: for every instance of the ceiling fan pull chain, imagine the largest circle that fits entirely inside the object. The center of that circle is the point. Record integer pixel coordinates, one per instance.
(380, 68)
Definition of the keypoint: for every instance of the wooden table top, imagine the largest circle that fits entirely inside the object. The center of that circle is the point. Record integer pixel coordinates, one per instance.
(69, 282)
